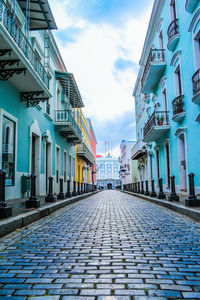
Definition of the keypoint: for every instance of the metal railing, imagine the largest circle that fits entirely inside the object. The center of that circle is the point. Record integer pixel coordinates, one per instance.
(155, 56)
(158, 118)
(64, 116)
(137, 147)
(196, 82)
(84, 149)
(178, 105)
(12, 27)
(173, 29)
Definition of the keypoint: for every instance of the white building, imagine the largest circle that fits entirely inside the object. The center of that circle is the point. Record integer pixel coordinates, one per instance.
(108, 172)
(126, 168)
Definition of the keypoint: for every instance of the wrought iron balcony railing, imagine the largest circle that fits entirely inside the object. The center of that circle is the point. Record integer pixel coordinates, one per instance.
(158, 118)
(83, 149)
(173, 29)
(13, 29)
(178, 105)
(155, 56)
(64, 116)
(196, 82)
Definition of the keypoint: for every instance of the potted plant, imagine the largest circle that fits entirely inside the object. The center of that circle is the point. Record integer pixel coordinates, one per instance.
(160, 120)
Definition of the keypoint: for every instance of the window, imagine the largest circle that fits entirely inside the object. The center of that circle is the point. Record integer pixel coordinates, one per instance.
(161, 45)
(8, 155)
(173, 10)
(177, 78)
(197, 50)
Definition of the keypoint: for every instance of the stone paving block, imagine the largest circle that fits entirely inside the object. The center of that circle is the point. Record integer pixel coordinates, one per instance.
(129, 292)
(95, 292)
(30, 292)
(191, 295)
(17, 286)
(63, 292)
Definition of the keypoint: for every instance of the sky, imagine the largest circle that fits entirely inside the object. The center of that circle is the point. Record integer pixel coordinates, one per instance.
(101, 43)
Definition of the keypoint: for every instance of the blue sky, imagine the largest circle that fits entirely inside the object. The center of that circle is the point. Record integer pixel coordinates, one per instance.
(101, 43)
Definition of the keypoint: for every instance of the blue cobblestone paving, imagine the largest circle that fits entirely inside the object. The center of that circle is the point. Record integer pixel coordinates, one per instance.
(111, 246)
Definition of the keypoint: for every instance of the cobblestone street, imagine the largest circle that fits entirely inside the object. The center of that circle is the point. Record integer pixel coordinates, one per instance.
(108, 246)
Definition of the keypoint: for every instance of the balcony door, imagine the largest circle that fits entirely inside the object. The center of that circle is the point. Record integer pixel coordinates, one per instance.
(35, 159)
(182, 162)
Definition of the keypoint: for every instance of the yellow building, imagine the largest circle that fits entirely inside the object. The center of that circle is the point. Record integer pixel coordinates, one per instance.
(83, 156)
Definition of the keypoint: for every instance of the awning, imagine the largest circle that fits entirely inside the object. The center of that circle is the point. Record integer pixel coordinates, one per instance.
(70, 88)
(41, 17)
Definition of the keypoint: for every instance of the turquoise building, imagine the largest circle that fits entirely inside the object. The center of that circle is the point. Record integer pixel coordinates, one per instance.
(167, 96)
(39, 100)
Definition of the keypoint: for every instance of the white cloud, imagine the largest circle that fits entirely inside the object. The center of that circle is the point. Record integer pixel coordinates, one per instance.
(91, 58)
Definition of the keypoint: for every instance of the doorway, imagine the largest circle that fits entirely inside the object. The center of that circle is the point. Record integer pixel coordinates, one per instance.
(182, 162)
(35, 159)
(109, 186)
(48, 165)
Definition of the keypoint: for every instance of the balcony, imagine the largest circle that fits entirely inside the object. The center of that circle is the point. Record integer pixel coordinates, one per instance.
(68, 127)
(138, 150)
(157, 126)
(18, 61)
(85, 154)
(178, 109)
(196, 87)
(190, 5)
(122, 169)
(153, 70)
(173, 35)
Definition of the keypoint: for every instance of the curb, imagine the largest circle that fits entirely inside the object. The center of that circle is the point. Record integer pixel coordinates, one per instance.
(187, 211)
(13, 223)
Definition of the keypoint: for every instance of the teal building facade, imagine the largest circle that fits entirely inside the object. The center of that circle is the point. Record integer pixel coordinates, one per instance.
(167, 96)
(39, 99)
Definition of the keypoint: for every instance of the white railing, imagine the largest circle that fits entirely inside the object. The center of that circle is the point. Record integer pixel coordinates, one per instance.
(137, 147)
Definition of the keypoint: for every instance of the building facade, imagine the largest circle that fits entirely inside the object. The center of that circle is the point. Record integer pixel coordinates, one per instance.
(93, 143)
(128, 168)
(84, 159)
(107, 172)
(167, 96)
(39, 104)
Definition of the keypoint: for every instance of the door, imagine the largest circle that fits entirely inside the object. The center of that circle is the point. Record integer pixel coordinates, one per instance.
(182, 162)
(33, 156)
(48, 157)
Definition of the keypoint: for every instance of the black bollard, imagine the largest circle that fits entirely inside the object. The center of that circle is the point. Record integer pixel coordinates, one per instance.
(84, 188)
(153, 193)
(173, 196)
(161, 195)
(192, 199)
(142, 187)
(68, 194)
(33, 202)
(79, 192)
(147, 188)
(74, 193)
(138, 189)
(81, 188)
(50, 197)
(5, 211)
(61, 195)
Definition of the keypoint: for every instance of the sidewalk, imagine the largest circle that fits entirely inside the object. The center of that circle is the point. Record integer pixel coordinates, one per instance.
(179, 207)
(22, 216)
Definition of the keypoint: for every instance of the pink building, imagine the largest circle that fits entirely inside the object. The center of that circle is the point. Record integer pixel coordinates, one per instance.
(93, 143)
